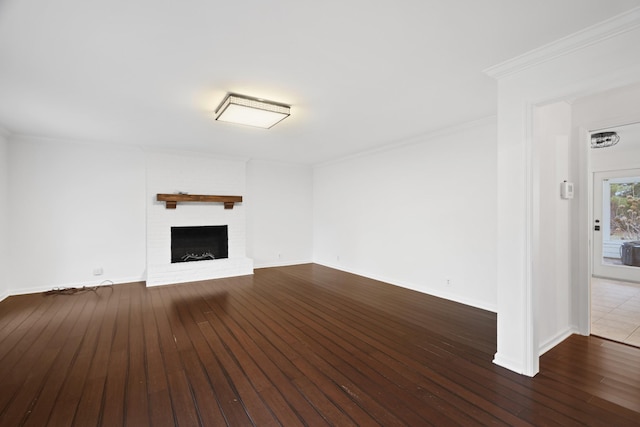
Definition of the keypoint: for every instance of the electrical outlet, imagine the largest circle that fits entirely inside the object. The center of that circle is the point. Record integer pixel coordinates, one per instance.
(98, 271)
(448, 281)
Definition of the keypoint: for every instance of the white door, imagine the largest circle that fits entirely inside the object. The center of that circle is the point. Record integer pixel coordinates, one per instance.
(616, 228)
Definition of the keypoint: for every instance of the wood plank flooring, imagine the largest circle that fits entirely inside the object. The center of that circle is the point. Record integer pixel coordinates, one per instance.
(289, 346)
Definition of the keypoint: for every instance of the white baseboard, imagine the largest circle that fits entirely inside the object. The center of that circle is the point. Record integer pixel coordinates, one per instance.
(510, 364)
(557, 339)
(268, 264)
(429, 291)
(89, 283)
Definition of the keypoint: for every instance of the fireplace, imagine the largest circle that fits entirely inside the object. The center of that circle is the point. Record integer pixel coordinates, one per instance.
(201, 243)
(195, 175)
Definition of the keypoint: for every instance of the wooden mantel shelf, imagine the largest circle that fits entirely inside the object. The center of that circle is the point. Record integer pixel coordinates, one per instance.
(171, 200)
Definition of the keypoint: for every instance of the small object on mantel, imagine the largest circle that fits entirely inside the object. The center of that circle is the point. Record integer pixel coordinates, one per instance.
(171, 200)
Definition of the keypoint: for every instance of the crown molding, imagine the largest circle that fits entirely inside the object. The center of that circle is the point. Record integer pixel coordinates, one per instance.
(418, 139)
(609, 28)
(148, 150)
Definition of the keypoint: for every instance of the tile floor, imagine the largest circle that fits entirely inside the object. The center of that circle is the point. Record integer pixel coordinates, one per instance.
(615, 310)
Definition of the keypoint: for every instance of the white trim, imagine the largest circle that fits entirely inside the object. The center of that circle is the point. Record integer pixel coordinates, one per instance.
(531, 356)
(585, 216)
(4, 296)
(612, 27)
(280, 263)
(88, 283)
(413, 287)
(554, 341)
(127, 146)
(440, 133)
(192, 153)
(510, 364)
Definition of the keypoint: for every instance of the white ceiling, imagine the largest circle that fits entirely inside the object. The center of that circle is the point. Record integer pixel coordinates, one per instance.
(358, 74)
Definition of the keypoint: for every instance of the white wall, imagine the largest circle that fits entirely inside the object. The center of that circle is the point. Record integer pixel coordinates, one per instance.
(4, 214)
(73, 208)
(553, 156)
(599, 58)
(420, 215)
(279, 213)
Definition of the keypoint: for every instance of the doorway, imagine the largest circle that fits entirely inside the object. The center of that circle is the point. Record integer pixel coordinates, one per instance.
(615, 282)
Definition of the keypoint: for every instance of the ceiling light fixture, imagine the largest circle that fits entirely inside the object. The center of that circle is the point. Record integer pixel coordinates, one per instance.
(245, 110)
(604, 139)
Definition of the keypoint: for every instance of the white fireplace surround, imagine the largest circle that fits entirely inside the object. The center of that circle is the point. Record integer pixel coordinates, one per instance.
(194, 174)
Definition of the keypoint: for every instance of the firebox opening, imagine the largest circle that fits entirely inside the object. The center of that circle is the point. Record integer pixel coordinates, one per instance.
(200, 243)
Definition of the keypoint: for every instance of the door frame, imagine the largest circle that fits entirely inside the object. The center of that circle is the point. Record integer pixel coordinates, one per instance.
(585, 213)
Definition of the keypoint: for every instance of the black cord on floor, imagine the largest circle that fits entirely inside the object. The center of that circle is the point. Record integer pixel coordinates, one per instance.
(72, 290)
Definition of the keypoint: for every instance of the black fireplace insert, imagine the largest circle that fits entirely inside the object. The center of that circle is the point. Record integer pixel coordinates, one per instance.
(201, 243)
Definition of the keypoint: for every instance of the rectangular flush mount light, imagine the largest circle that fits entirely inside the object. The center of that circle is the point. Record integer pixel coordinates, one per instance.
(249, 111)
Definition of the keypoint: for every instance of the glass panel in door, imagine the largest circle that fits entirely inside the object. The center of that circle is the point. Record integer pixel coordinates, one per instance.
(616, 234)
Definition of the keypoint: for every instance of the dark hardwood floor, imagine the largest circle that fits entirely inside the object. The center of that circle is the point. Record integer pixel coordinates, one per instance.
(299, 345)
